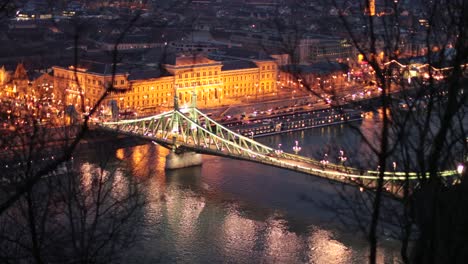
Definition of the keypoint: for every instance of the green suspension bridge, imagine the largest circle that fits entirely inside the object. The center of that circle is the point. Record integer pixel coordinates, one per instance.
(190, 130)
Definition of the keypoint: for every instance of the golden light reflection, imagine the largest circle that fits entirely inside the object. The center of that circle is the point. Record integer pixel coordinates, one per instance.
(120, 154)
(380, 113)
(148, 162)
(91, 177)
(86, 176)
(90, 174)
(324, 249)
(282, 246)
(183, 214)
(371, 129)
(138, 152)
(239, 234)
(119, 185)
(144, 160)
(369, 115)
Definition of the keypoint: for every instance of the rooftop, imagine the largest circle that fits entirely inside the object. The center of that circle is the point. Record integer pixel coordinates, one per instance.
(147, 74)
(237, 65)
(239, 53)
(317, 68)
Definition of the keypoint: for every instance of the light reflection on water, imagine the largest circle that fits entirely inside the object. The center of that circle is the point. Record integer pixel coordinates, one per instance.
(230, 211)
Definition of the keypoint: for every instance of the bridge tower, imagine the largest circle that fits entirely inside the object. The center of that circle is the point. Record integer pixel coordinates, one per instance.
(178, 159)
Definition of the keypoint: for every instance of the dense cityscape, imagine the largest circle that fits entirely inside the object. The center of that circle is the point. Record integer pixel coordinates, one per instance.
(366, 95)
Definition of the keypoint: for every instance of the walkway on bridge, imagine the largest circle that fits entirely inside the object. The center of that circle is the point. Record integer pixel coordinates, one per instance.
(188, 129)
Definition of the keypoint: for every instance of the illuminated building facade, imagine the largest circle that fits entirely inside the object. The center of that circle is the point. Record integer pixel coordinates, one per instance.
(318, 77)
(4, 78)
(85, 82)
(215, 83)
(14, 84)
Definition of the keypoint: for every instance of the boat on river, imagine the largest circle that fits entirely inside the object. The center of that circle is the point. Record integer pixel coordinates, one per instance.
(283, 123)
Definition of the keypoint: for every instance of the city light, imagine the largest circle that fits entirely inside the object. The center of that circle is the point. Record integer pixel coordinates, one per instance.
(296, 147)
(144, 87)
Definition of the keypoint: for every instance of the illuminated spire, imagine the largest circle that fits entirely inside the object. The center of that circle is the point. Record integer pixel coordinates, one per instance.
(372, 7)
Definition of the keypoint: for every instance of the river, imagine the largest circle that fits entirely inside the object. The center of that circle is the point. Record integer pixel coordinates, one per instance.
(231, 211)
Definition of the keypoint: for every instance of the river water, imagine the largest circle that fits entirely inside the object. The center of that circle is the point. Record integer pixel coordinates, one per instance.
(231, 211)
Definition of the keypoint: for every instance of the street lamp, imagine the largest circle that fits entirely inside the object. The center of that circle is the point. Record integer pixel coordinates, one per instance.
(324, 161)
(460, 168)
(279, 151)
(297, 148)
(342, 157)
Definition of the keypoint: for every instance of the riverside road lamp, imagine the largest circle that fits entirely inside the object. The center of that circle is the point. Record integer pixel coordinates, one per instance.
(342, 157)
(324, 161)
(279, 150)
(296, 148)
(460, 168)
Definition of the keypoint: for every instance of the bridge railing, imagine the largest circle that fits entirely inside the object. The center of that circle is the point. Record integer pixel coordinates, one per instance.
(193, 129)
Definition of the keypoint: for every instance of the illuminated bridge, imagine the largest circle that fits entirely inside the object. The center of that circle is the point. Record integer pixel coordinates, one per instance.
(188, 130)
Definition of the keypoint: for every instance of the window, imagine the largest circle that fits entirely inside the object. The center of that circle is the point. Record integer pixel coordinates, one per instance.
(122, 81)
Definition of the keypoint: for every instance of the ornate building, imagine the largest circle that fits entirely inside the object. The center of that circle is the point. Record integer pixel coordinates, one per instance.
(4, 76)
(216, 82)
(86, 82)
(14, 84)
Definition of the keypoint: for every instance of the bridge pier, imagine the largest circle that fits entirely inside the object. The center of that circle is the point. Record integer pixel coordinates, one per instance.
(182, 160)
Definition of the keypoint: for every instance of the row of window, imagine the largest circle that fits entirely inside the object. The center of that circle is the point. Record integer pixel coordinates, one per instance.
(122, 82)
(225, 80)
(144, 103)
(268, 67)
(262, 85)
(72, 76)
(88, 91)
(210, 73)
(192, 84)
(160, 98)
(143, 89)
(149, 96)
(198, 74)
(240, 78)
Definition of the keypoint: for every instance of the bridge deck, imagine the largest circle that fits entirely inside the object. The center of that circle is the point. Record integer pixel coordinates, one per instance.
(190, 129)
